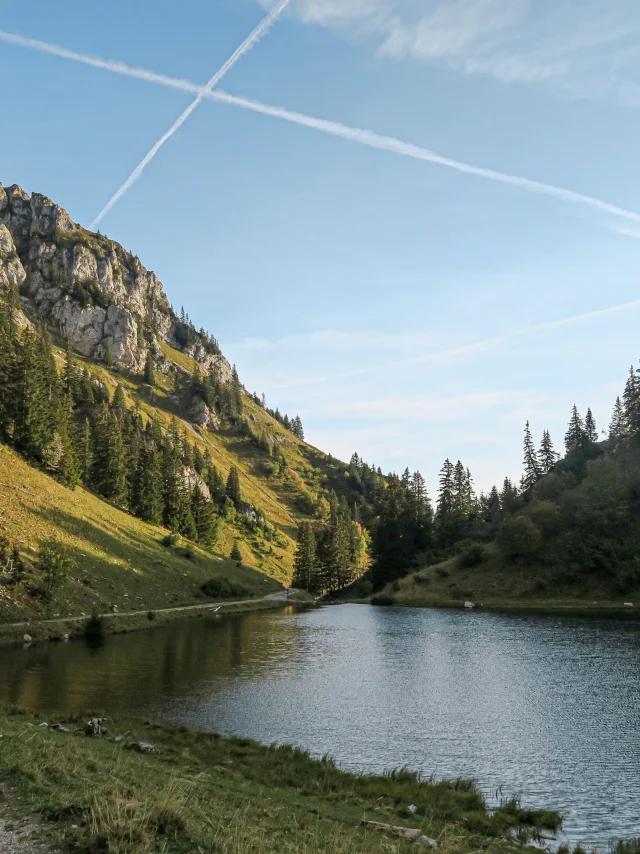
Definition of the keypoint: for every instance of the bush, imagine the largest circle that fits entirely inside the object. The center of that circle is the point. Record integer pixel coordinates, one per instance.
(236, 554)
(151, 615)
(473, 555)
(520, 540)
(169, 540)
(94, 627)
(441, 572)
(55, 564)
(222, 588)
(383, 600)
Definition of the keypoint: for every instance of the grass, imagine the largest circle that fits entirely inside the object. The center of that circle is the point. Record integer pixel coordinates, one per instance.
(203, 793)
(120, 560)
(493, 585)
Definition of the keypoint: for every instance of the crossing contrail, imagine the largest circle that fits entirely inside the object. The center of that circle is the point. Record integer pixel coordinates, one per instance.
(336, 129)
(245, 47)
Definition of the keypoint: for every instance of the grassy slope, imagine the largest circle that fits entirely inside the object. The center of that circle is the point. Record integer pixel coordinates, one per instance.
(495, 585)
(203, 793)
(120, 559)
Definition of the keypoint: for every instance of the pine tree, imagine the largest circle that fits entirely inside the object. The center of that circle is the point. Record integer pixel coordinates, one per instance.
(236, 554)
(149, 370)
(173, 487)
(531, 465)
(236, 391)
(590, 430)
(84, 445)
(617, 425)
(204, 517)
(149, 484)
(108, 354)
(631, 401)
(575, 435)
(36, 395)
(8, 367)
(547, 457)
(109, 472)
(119, 401)
(305, 567)
(233, 486)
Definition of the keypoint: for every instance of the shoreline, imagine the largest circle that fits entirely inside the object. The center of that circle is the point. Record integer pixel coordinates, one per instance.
(55, 629)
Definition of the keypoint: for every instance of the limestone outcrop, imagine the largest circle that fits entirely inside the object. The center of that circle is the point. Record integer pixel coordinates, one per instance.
(89, 288)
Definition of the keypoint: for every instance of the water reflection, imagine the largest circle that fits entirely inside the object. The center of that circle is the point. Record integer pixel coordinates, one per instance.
(547, 708)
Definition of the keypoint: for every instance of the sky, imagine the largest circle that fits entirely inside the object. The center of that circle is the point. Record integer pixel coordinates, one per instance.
(410, 274)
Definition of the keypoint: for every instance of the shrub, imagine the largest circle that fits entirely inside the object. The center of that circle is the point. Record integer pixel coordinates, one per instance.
(169, 540)
(55, 564)
(519, 539)
(151, 615)
(441, 572)
(222, 588)
(473, 555)
(236, 554)
(94, 627)
(383, 600)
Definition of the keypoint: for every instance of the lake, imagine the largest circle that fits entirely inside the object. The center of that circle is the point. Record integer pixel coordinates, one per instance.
(546, 708)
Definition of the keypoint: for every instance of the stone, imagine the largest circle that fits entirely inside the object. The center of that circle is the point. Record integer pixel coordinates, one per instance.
(94, 726)
(119, 739)
(469, 605)
(12, 272)
(141, 747)
(27, 638)
(59, 728)
(426, 842)
(394, 830)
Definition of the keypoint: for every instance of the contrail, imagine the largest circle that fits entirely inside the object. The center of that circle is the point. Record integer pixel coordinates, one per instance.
(337, 129)
(245, 47)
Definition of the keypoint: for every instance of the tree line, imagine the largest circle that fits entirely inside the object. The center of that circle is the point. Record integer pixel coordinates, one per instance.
(67, 422)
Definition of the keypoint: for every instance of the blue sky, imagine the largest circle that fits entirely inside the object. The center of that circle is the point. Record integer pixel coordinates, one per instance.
(349, 283)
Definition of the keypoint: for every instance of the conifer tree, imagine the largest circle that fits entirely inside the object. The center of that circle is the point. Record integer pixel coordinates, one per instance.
(204, 517)
(547, 457)
(233, 486)
(108, 354)
(149, 370)
(631, 401)
(531, 465)
(305, 567)
(150, 503)
(236, 391)
(173, 488)
(119, 401)
(236, 554)
(109, 472)
(617, 425)
(8, 367)
(36, 395)
(575, 435)
(590, 430)
(85, 451)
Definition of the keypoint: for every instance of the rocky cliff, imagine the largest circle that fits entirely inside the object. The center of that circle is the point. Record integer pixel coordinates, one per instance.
(90, 289)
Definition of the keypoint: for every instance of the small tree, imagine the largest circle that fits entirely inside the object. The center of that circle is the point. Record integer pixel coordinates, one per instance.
(149, 370)
(55, 564)
(590, 429)
(108, 354)
(236, 554)
(233, 486)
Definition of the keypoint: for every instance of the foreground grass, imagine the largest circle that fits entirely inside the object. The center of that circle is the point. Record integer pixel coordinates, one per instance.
(508, 588)
(201, 794)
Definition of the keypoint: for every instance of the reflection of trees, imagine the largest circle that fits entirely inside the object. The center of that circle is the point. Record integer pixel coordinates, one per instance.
(129, 671)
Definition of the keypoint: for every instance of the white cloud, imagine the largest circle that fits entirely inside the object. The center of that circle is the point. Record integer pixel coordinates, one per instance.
(585, 49)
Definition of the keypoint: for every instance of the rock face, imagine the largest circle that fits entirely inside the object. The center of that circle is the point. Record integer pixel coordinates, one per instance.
(89, 288)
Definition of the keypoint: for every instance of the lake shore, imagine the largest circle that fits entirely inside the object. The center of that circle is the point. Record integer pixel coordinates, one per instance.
(138, 786)
(119, 623)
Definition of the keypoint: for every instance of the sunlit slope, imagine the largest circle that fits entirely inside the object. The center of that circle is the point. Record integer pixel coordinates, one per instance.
(119, 559)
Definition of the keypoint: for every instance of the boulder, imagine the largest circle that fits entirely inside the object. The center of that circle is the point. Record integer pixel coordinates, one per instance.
(11, 270)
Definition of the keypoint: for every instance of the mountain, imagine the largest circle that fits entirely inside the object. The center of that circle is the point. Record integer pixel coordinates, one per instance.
(113, 406)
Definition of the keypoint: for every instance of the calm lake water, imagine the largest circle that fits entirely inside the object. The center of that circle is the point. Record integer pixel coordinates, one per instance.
(548, 708)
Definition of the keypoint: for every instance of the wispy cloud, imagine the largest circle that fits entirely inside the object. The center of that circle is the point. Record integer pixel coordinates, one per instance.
(586, 49)
(368, 138)
(244, 48)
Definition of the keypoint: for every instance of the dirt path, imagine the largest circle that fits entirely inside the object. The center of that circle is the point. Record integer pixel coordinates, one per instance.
(278, 596)
(16, 837)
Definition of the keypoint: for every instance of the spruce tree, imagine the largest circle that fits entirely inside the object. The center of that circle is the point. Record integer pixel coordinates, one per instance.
(236, 554)
(617, 425)
(546, 455)
(236, 392)
(631, 401)
(36, 395)
(590, 430)
(204, 517)
(531, 464)
(233, 486)
(84, 444)
(575, 435)
(8, 367)
(305, 567)
(149, 370)
(108, 354)
(150, 503)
